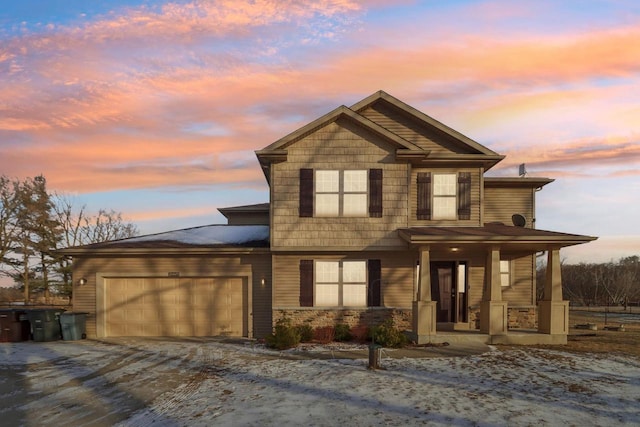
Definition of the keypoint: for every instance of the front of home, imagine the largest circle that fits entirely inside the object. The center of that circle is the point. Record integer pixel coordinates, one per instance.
(376, 210)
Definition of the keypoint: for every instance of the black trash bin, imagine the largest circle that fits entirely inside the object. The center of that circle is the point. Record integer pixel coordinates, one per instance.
(73, 326)
(45, 324)
(14, 326)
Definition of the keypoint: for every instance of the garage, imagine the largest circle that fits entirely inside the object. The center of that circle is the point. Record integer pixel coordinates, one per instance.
(175, 306)
(198, 282)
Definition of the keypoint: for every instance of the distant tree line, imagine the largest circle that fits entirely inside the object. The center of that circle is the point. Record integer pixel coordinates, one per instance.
(35, 223)
(610, 283)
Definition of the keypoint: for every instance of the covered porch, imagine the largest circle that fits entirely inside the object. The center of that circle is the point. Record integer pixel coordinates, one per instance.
(438, 319)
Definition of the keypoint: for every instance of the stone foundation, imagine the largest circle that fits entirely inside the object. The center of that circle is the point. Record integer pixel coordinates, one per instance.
(522, 317)
(366, 317)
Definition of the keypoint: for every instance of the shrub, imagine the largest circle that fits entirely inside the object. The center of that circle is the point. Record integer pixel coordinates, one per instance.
(342, 332)
(360, 333)
(324, 334)
(306, 332)
(284, 335)
(388, 335)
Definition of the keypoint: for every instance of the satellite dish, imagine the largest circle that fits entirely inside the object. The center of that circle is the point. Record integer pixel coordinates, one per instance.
(518, 220)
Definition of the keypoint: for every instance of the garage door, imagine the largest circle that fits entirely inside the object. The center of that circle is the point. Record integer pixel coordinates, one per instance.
(174, 306)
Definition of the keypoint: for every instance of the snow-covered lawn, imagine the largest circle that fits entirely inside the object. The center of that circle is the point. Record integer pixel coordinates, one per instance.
(204, 382)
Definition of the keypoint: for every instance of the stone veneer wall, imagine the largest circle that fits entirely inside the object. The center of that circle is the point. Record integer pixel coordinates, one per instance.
(317, 318)
(521, 317)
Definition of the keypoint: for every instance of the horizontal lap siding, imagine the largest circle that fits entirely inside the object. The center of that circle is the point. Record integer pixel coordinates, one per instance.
(522, 282)
(84, 297)
(501, 203)
(338, 145)
(398, 271)
(475, 199)
(261, 269)
(425, 137)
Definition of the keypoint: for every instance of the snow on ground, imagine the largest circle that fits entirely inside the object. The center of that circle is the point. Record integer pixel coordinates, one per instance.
(204, 382)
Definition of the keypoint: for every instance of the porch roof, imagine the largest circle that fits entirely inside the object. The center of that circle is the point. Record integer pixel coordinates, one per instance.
(492, 233)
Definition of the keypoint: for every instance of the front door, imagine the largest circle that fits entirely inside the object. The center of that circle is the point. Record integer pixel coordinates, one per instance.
(448, 289)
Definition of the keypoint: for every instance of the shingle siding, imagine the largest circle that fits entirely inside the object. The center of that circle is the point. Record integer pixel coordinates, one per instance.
(339, 145)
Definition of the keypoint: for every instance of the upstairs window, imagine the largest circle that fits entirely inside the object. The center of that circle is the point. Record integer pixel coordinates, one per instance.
(444, 196)
(341, 193)
(333, 193)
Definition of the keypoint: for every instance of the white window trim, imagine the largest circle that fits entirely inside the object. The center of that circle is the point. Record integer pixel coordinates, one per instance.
(340, 283)
(341, 193)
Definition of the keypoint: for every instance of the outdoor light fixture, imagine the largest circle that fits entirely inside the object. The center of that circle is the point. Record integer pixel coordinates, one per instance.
(262, 281)
(82, 281)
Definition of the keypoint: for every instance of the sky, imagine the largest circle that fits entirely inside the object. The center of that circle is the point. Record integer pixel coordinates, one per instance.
(155, 108)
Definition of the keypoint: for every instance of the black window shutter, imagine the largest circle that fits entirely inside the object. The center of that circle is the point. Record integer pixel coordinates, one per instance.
(464, 195)
(375, 276)
(375, 193)
(424, 195)
(306, 283)
(306, 193)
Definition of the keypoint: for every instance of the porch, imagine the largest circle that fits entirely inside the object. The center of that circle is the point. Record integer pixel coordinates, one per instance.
(492, 242)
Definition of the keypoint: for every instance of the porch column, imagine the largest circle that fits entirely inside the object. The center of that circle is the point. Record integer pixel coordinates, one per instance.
(493, 311)
(424, 309)
(553, 311)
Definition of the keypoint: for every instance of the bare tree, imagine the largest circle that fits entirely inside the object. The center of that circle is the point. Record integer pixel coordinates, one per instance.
(81, 228)
(106, 226)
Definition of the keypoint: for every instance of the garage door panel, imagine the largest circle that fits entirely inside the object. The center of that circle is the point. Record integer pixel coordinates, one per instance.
(175, 307)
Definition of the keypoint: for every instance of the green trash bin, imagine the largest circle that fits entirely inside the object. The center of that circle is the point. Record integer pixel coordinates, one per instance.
(45, 324)
(73, 326)
(14, 327)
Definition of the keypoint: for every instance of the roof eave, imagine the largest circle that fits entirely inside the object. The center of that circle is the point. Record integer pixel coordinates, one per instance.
(517, 182)
(569, 240)
(162, 251)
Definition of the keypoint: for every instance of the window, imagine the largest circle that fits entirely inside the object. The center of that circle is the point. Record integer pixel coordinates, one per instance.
(444, 196)
(332, 193)
(341, 283)
(505, 273)
(341, 193)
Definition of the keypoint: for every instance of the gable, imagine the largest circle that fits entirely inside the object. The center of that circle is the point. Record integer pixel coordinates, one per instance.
(418, 127)
(413, 135)
(421, 134)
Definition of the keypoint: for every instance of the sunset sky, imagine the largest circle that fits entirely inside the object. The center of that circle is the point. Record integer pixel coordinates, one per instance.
(155, 108)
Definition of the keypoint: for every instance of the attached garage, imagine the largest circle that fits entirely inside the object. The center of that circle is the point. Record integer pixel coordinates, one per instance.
(204, 281)
(175, 307)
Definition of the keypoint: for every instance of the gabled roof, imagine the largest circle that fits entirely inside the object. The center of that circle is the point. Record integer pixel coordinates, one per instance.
(208, 237)
(405, 149)
(340, 112)
(382, 96)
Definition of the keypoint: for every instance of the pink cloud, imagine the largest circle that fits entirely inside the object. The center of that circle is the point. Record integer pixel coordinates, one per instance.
(90, 96)
(585, 157)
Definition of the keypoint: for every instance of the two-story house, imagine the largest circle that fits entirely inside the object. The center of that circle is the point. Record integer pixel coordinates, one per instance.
(376, 210)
